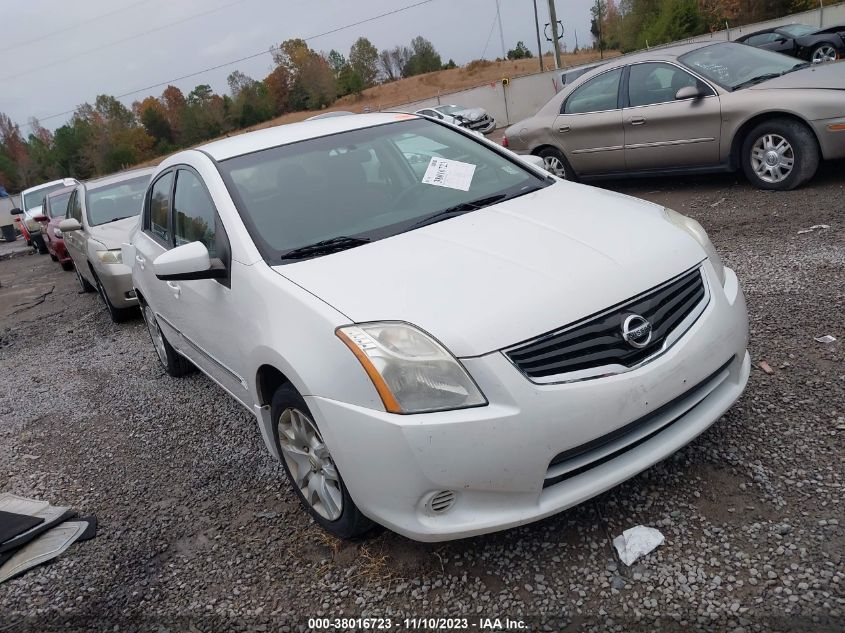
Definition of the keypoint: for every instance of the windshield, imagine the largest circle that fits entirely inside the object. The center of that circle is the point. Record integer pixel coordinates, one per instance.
(365, 184)
(797, 30)
(58, 205)
(35, 198)
(450, 109)
(733, 65)
(116, 201)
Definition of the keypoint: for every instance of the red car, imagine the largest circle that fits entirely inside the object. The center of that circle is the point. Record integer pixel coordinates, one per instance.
(55, 209)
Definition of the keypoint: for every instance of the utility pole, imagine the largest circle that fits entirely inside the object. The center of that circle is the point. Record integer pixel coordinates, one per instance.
(539, 45)
(553, 20)
(601, 44)
(501, 32)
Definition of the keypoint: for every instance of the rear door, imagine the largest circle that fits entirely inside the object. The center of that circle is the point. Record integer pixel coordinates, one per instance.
(589, 126)
(662, 132)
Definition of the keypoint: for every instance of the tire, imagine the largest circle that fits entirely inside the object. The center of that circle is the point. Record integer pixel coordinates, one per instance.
(765, 144)
(38, 243)
(67, 266)
(823, 52)
(556, 163)
(117, 315)
(83, 283)
(294, 429)
(172, 361)
(53, 257)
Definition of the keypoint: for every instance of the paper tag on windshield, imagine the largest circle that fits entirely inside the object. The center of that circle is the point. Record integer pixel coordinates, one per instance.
(454, 174)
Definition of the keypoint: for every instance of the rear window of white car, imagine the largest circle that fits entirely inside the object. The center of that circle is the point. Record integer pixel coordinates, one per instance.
(32, 199)
(366, 184)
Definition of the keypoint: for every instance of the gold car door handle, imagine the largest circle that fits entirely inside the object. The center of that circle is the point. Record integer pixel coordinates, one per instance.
(563, 128)
(637, 120)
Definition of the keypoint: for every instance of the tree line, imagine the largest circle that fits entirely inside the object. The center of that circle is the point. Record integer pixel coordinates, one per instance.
(107, 136)
(630, 25)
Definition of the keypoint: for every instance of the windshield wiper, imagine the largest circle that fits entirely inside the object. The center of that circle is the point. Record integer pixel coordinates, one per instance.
(463, 207)
(767, 76)
(117, 219)
(324, 247)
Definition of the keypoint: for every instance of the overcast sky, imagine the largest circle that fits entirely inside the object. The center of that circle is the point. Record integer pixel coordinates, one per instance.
(55, 54)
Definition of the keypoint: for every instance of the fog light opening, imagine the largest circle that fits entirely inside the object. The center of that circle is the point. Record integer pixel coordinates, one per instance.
(131, 294)
(441, 502)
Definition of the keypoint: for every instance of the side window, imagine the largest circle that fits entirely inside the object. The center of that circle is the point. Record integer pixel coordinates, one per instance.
(653, 83)
(763, 38)
(159, 216)
(598, 94)
(194, 212)
(75, 207)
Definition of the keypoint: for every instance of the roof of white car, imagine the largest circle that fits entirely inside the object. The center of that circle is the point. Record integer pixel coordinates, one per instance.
(62, 181)
(119, 177)
(293, 132)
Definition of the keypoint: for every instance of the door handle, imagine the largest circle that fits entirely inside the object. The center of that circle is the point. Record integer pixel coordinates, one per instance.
(175, 288)
(637, 120)
(141, 261)
(563, 128)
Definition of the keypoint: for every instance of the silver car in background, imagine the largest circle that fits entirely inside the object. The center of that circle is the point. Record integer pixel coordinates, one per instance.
(101, 213)
(692, 108)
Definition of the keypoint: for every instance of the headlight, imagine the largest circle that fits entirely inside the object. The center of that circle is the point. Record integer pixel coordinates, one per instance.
(411, 371)
(697, 231)
(57, 231)
(110, 257)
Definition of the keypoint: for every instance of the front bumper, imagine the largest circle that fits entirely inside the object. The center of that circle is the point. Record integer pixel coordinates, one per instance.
(117, 282)
(496, 459)
(832, 143)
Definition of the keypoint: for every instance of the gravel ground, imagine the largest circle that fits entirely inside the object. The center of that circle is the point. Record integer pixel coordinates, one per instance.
(198, 531)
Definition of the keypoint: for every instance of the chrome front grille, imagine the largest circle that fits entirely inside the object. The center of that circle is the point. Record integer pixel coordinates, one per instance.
(596, 347)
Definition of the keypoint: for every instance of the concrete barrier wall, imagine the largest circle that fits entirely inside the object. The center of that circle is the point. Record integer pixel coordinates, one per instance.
(527, 94)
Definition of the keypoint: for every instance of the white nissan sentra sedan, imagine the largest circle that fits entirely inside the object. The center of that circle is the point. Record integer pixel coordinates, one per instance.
(433, 333)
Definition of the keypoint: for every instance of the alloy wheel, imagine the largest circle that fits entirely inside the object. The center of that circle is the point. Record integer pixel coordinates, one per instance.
(554, 166)
(310, 463)
(155, 334)
(772, 158)
(824, 53)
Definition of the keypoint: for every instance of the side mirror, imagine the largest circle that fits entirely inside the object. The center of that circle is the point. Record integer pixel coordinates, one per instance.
(69, 224)
(687, 92)
(16, 211)
(189, 261)
(536, 161)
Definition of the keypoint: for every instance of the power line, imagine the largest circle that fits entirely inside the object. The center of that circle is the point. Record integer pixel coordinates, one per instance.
(73, 26)
(121, 41)
(252, 56)
(489, 35)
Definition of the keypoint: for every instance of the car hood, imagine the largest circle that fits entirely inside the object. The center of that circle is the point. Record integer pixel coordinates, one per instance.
(830, 75)
(473, 114)
(113, 234)
(34, 212)
(494, 277)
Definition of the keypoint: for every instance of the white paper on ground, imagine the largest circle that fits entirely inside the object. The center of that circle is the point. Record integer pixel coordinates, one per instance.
(637, 541)
(442, 172)
(41, 549)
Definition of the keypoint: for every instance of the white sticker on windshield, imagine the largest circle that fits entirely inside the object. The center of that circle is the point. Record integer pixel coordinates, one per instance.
(454, 174)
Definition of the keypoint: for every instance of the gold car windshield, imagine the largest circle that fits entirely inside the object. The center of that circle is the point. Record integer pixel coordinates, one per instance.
(734, 66)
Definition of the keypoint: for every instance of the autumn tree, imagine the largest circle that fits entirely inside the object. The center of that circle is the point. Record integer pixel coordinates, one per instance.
(364, 61)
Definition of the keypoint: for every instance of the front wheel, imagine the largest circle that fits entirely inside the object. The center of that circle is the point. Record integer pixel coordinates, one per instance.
(556, 164)
(311, 469)
(39, 244)
(68, 266)
(780, 154)
(117, 315)
(83, 283)
(172, 361)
